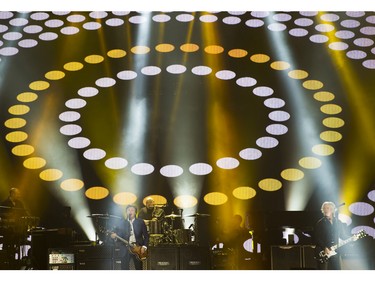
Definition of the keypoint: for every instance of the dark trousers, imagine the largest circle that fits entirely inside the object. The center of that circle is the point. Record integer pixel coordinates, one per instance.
(333, 263)
(125, 262)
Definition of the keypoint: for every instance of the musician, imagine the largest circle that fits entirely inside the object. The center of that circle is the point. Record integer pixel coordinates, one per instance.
(134, 231)
(150, 211)
(327, 232)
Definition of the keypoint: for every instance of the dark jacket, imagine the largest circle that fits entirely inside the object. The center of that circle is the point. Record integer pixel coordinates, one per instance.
(140, 231)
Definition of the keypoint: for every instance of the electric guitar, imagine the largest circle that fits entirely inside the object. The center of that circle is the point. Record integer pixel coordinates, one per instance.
(133, 248)
(323, 257)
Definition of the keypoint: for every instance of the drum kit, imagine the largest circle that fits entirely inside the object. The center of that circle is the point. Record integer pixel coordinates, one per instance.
(170, 230)
(164, 230)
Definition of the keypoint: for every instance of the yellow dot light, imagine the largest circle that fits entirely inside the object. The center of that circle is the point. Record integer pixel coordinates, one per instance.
(244, 192)
(39, 85)
(323, 149)
(19, 109)
(140, 50)
(23, 150)
(310, 162)
(292, 174)
(27, 97)
(189, 48)
(17, 136)
(116, 53)
(280, 65)
(312, 84)
(324, 96)
(215, 198)
(331, 136)
(97, 192)
(55, 75)
(331, 109)
(298, 74)
(270, 184)
(15, 123)
(158, 199)
(51, 175)
(214, 49)
(164, 48)
(260, 58)
(72, 184)
(124, 198)
(185, 201)
(237, 53)
(333, 122)
(93, 59)
(34, 163)
(73, 66)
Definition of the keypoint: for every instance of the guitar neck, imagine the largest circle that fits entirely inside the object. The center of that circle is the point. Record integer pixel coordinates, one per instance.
(343, 243)
(122, 240)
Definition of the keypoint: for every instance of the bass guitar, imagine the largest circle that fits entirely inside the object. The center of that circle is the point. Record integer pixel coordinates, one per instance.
(323, 257)
(133, 248)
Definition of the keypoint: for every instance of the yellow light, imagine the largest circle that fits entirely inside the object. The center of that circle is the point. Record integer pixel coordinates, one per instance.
(73, 66)
(292, 174)
(72, 184)
(140, 50)
(97, 192)
(237, 53)
(214, 49)
(270, 184)
(158, 199)
(19, 109)
(15, 123)
(260, 58)
(185, 201)
(215, 198)
(324, 96)
(93, 59)
(331, 136)
(34, 163)
(189, 48)
(116, 53)
(23, 150)
(16, 136)
(333, 122)
(55, 75)
(331, 109)
(27, 97)
(39, 85)
(280, 65)
(310, 162)
(124, 198)
(244, 192)
(298, 74)
(323, 149)
(312, 84)
(51, 174)
(164, 48)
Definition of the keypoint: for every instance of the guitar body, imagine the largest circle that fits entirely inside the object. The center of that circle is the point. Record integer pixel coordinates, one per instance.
(322, 257)
(137, 251)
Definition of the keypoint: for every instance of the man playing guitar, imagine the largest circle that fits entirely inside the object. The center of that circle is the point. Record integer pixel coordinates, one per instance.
(133, 233)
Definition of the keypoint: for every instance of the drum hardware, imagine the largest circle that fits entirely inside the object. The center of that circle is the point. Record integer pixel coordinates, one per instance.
(101, 221)
(172, 216)
(198, 215)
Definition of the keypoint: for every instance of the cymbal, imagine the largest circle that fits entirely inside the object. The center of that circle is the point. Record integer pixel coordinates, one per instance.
(103, 216)
(172, 216)
(198, 215)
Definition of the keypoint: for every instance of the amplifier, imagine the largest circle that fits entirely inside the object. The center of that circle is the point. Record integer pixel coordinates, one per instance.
(93, 252)
(61, 259)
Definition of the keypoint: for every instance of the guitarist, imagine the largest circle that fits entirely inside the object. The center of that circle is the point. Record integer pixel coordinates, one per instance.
(327, 232)
(135, 232)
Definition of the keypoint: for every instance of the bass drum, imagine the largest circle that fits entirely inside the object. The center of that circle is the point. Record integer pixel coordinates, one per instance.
(182, 236)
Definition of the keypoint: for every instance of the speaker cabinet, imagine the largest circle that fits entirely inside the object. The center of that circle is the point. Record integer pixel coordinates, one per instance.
(163, 258)
(309, 261)
(93, 252)
(194, 258)
(286, 257)
(95, 264)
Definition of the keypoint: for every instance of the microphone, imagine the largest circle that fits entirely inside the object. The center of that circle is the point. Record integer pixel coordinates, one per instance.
(342, 204)
(191, 226)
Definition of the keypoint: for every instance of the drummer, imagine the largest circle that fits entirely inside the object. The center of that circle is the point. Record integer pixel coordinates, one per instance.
(150, 211)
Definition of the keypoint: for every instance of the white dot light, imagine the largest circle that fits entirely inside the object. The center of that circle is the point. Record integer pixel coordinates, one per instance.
(201, 70)
(94, 154)
(69, 116)
(127, 75)
(151, 70)
(116, 163)
(142, 169)
(225, 74)
(105, 82)
(171, 171)
(246, 82)
(70, 130)
(176, 69)
(267, 142)
(75, 103)
(88, 92)
(200, 169)
(79, 142)
(279, 115)
(227, 163)
(250, 154)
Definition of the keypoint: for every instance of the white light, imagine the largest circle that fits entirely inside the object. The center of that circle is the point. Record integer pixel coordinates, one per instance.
(267, 142)
(70, 30)
(75, 103)
(54, 23)
(69, 116)
(91, 25)
(225, 74)
(200, 169)
(70, 130)
(201, 70)
(227, 163)
(246, 82)
(105, 82)
(171, 171)
(88, 92)
(176, 69)
(48, 36)
(250, 154)
(79, 142)
(126, 75)
(142, 169)
(116, 163)
(94, 154)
